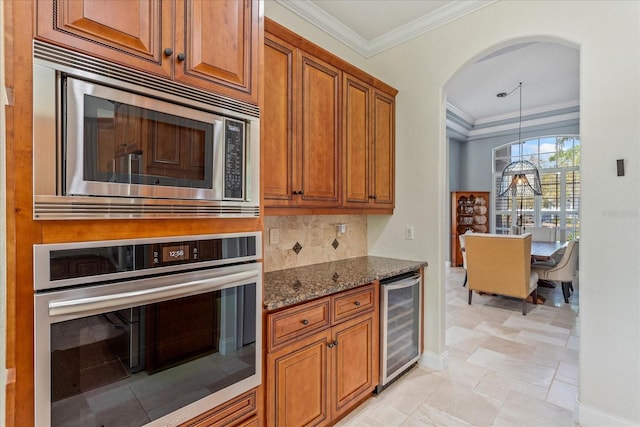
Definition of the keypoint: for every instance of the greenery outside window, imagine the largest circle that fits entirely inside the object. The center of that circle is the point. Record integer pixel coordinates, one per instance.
(558, 161)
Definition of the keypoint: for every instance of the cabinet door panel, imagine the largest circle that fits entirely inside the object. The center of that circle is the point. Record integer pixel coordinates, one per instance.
(320, 132)
(128, 32)
(356, 142)
(220, 42)
(297, 384)
(383, 150)
(354, 361)
(277, 124)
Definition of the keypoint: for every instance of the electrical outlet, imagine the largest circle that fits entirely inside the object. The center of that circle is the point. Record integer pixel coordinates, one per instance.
(408, 232)
(274, 236)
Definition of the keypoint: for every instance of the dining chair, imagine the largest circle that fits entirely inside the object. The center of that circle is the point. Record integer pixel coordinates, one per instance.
(461, 238)
(562, 271)
(542, 234)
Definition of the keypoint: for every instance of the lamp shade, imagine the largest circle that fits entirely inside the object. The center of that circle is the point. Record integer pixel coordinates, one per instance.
(520, 178)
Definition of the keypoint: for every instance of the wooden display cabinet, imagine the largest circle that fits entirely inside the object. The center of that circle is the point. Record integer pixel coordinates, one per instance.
(469, 211)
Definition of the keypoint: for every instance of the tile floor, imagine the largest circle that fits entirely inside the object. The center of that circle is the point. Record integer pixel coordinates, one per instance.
(505, 369)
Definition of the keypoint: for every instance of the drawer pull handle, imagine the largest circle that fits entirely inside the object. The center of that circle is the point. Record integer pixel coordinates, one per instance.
(357, 303)
(305, 322)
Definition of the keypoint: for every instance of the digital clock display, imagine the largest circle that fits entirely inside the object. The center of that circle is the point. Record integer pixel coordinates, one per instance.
(175, 253)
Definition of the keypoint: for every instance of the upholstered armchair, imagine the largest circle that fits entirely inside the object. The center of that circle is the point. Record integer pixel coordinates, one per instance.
(501, 264)
(562, 271)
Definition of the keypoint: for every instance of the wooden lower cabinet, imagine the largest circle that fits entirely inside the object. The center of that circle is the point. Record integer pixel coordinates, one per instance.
(297, 383)
(232, 413)
(317, 379)
(355, 363)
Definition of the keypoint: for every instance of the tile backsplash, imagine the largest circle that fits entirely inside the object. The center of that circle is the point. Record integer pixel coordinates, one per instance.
(314, 237)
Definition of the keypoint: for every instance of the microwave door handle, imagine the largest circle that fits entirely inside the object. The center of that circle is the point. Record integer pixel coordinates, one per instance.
(145, 296)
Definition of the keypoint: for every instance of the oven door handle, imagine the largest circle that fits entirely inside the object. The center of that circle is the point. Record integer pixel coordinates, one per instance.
(146, 296)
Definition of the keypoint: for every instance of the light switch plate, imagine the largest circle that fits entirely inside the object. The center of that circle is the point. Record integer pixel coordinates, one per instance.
(274, 236)
(408, 232)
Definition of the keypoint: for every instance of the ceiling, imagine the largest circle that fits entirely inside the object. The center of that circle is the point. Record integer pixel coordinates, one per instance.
(549, 72)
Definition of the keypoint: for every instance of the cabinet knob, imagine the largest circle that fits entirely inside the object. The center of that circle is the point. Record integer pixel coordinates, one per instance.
(181, 56)
(335, 343)
(357, 303)
(168, 51)
(305, 322)
(301, 192)
(330, 345)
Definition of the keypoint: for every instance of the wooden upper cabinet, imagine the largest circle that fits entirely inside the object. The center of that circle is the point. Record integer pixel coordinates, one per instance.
(300, 128)
(357, 142)
(220, 42)
(132, 33)
(209, 44)
(319, 133)
(327, 131)
(383, 151)
(369, 146)
(277, 130)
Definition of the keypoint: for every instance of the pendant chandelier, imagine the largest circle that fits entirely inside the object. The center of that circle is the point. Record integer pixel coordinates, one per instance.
(519, 178)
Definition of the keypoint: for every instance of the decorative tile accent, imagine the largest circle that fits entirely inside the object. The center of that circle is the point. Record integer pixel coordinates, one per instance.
(297, 248)
(335, 244)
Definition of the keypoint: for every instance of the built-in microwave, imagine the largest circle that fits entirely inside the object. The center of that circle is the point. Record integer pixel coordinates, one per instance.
(113, 142)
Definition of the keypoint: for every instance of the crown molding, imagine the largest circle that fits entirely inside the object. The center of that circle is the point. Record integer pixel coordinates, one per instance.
(458, 112)
(367, 48)
(457, 128)
(479, 133)
(528, 112)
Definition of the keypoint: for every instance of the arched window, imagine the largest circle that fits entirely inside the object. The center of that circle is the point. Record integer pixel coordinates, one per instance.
(558, 160)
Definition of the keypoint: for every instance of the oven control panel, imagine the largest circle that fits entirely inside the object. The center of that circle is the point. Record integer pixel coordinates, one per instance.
(72, 263)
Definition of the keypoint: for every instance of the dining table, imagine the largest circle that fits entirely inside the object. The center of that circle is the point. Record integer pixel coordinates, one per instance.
(545, 251)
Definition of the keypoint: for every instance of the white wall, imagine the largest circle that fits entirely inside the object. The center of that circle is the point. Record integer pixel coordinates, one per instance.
(608, 36)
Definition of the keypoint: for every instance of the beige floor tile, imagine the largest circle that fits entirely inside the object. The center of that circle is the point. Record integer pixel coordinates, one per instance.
(463, 403)
(510, 348)
(429, 416)
(465, 339)
(381, 415)
(563, 395)
(520, 409)
(463, 373)
(505, 369)
(568, 373)
(511, 367)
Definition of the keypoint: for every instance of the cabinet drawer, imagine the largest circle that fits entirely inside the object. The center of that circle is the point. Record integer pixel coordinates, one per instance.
(297, 322)
(348, 304)
(227, 413)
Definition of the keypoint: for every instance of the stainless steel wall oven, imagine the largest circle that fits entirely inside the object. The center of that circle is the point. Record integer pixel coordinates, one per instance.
(145, 331)
(110, 142)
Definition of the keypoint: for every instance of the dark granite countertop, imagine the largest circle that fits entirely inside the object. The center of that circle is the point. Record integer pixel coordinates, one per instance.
(283, 288)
